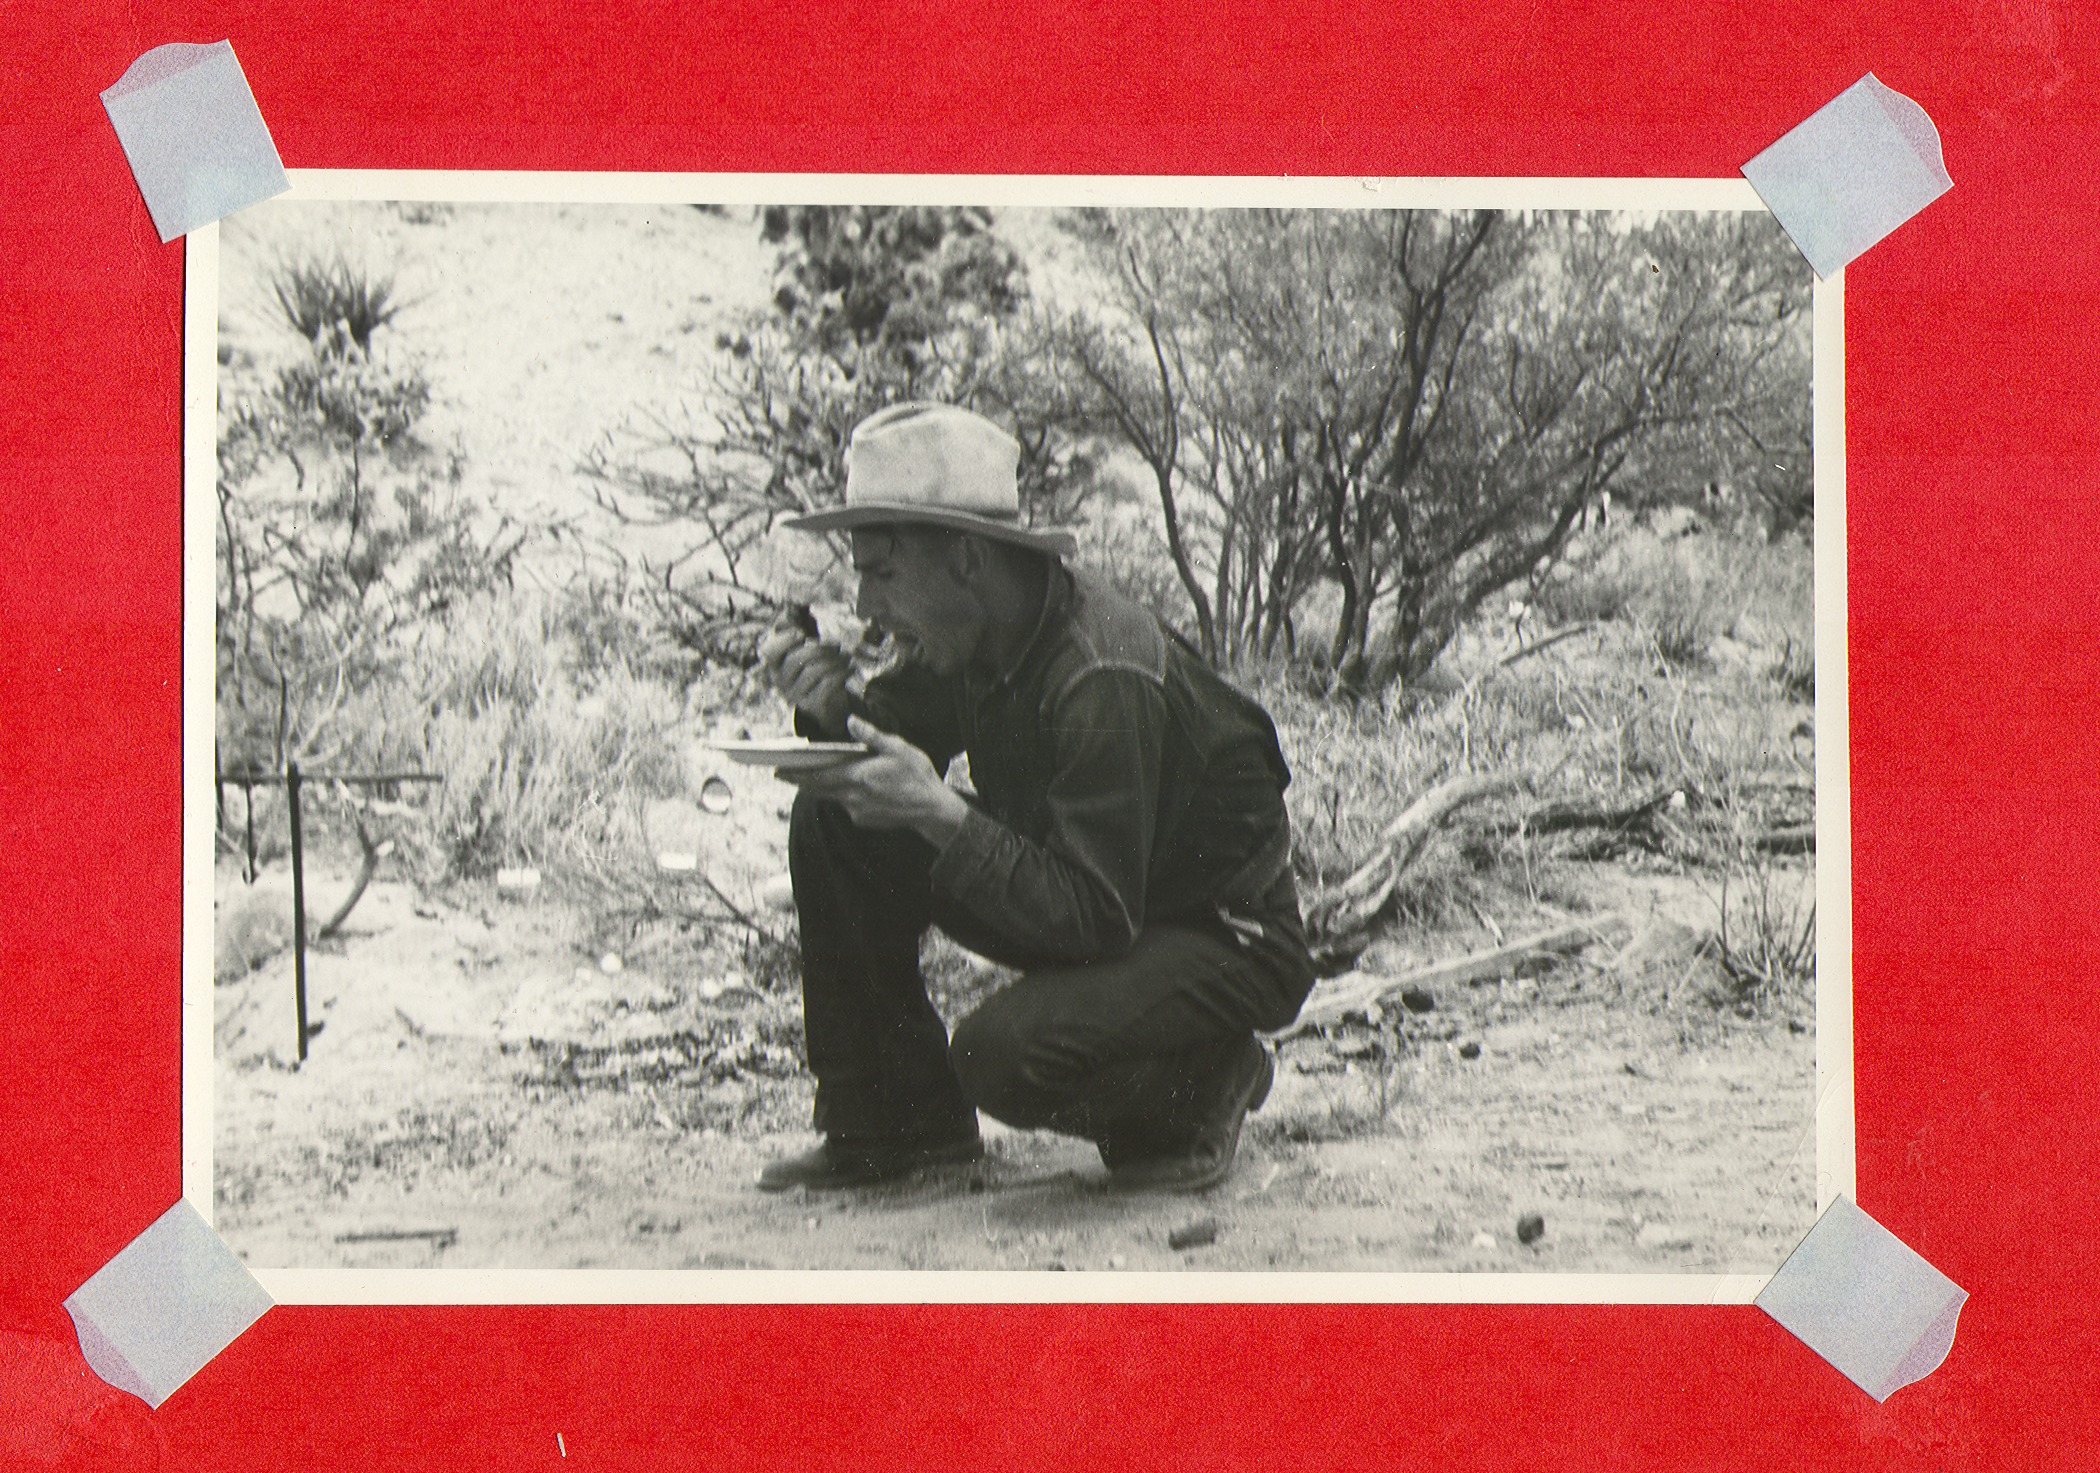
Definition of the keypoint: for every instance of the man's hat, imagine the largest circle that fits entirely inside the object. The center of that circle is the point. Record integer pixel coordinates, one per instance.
(939, 466)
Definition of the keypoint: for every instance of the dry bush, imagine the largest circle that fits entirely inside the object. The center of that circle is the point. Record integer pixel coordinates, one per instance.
(1589, 720)
(540, 768)
(1765, 944)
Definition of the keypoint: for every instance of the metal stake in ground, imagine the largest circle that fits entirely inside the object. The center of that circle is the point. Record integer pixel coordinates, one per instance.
(293, 781)
(291, 794)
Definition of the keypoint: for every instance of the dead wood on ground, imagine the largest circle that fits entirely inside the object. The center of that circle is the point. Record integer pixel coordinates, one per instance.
(1334, 999)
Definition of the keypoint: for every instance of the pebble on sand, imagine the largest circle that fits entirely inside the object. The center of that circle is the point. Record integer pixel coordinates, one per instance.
(1194, 1235)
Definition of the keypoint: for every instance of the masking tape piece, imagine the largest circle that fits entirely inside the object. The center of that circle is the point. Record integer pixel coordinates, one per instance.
(172, 1298)
(196, 141)
(1862, 164)
(1860, 1297)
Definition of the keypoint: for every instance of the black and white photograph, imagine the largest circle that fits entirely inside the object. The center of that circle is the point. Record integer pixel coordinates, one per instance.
(1210, 737)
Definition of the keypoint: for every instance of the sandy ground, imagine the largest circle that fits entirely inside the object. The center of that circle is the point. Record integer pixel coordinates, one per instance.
(482, 1094)
(541, 327)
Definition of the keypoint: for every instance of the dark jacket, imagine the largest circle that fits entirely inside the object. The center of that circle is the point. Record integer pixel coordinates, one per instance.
(1121, 782)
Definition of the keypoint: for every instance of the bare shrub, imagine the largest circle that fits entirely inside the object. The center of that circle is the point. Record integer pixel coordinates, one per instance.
(1765, 944)
(1415, 409)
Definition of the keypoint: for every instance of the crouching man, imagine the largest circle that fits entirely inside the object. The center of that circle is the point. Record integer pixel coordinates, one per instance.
(1127, 849)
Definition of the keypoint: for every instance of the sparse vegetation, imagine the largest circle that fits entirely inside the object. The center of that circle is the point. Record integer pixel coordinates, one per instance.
(1645, 686)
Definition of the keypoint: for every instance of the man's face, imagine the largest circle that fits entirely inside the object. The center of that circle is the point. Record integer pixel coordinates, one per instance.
(910, 589)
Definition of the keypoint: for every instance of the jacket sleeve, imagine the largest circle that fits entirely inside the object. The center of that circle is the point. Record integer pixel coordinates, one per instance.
(1079, 894)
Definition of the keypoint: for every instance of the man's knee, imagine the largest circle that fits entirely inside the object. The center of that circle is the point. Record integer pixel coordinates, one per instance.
(1008, 1069)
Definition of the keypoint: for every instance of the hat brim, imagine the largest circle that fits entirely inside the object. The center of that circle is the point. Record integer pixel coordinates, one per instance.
(1052, 540)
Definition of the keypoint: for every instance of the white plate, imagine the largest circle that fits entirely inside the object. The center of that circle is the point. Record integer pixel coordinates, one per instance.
(790, 754)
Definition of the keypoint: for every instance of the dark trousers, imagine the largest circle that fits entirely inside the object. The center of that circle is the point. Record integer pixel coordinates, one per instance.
(1125, 1052)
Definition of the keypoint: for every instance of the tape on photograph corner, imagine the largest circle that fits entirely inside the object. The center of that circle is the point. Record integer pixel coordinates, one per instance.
(196, 141)
(1859, 166)
(172, 1298)
(1862, 1298)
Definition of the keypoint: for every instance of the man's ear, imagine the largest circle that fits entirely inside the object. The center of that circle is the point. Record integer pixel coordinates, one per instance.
(970, 559)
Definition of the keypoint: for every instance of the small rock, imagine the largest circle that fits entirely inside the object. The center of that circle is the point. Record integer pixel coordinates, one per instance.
(1115, 1260)
(778, 893)
(676, 863)
(1663, 1235)
(1418, 1000)
(1530, 1228)
(611, 963)
(1483, 1239)
(1194, 1235)
(710, 989)
(1470, 1049)
(521, 881)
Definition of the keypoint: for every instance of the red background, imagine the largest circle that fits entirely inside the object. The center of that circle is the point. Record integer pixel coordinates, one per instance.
(1975, 682)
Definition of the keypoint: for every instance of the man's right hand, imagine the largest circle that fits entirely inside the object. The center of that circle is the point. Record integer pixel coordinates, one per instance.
(811, 675)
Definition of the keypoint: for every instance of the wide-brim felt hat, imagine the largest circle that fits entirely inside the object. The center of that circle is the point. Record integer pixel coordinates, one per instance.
(935, 465)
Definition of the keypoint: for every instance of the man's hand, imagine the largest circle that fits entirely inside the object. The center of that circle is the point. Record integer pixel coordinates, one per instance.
(893, 787)
(810, 674)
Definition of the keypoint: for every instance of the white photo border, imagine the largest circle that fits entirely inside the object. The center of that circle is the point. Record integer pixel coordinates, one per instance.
(1833, 1126)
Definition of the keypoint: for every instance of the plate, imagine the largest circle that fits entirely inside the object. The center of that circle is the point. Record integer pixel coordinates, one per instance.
(790, 754)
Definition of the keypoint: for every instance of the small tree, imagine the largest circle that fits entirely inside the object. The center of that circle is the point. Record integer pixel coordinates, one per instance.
(1281, 375)
(342, 539)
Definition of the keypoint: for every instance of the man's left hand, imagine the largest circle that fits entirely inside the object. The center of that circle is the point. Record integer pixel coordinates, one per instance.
(893, 787)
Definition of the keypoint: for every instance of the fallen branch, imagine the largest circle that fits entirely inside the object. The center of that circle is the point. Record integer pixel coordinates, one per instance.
(1351, 904)
(1800, 839)
(367, 867)
(1542, 644)
(1563, 816)
(1333, 1000)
